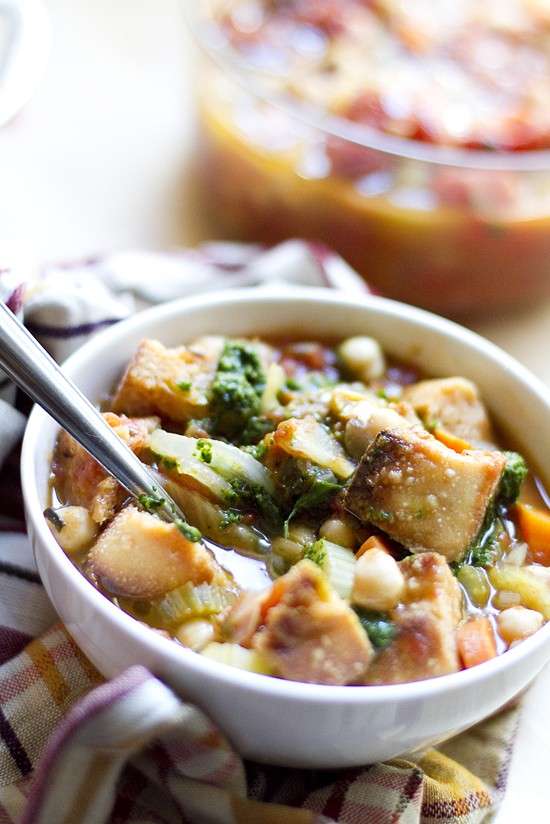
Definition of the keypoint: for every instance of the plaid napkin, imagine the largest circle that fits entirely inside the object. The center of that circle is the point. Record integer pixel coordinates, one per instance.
(77, 750)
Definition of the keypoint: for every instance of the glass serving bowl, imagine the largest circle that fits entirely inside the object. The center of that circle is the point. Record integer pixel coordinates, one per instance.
(454, 230)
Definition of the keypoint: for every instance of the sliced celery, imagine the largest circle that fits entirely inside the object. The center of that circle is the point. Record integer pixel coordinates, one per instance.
(337, 562)
(190, 601)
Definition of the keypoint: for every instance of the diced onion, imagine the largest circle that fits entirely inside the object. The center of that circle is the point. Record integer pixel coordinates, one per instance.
(276, 378)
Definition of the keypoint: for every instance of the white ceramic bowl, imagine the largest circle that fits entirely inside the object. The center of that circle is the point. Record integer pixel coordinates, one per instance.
(268, 719)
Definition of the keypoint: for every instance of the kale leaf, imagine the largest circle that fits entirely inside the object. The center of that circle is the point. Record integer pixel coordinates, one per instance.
(322, 488)
(378, 626)
(243, 492)
(483, 551)
(513, 476)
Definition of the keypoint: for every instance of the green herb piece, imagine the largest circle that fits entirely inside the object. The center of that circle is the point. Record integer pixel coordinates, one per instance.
(168, 463)
(256, 428)
(204, 450)
(185, 386)
(54, 518)
(293, 385)
(319, 493)
(229, 517)
(381, 393)
(378, 626)
(245, 492)
(316, 552)
(152, 503)
(513, 476)
(375, 515)
(190, 532)
(237, 387)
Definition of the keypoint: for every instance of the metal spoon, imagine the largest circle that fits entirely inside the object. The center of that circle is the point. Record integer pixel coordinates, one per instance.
(29, 366)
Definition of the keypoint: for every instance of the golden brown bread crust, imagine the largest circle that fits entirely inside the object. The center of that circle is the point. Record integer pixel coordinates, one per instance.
(140, 556)
(423, 494)
(312, 635)
(156, 379)
(454, 405)
(78, 478)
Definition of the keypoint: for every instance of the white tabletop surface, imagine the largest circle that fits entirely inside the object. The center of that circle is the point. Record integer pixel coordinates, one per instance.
(97, 161)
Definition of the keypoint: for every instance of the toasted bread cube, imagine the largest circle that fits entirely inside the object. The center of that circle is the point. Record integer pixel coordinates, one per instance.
(81, 481)
(453, 404)
(423, 494)
(310, 634)
(426, 621)
(172, 383)
(140, 556)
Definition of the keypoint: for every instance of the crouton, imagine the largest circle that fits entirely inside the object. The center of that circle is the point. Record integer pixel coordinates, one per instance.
(423, 494)
(172, 383)
(307, 438)
(78, 478)
(140, 556)
(310, 634)
(426, 621)
(454, 405)
(245, 617)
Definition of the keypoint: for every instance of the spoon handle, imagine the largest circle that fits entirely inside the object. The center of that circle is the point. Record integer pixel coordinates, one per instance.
(38, 375)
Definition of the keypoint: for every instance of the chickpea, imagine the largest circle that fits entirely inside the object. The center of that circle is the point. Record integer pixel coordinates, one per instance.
(363, 357)
(517, 623)
(287, 549)
(301, 534)
(339, 532)
(196, 633)
(378, 582)
(73, 527)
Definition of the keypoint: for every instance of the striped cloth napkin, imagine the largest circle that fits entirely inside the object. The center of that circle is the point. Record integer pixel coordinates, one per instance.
(75, 749)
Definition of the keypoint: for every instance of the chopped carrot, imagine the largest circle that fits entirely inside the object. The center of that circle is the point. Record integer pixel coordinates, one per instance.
(534, 525)
(374, 542)
(452, 441)
(273, 596)
(476, 642)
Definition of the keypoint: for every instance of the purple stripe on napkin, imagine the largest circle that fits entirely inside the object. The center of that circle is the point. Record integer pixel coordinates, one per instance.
(14, 745)
(40, 330)
(85, 711)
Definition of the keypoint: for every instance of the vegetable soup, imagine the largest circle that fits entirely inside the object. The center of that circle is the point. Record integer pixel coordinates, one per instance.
(383, 533)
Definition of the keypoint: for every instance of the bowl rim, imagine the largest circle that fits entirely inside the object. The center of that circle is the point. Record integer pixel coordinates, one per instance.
(250, 78)
(177, 655)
